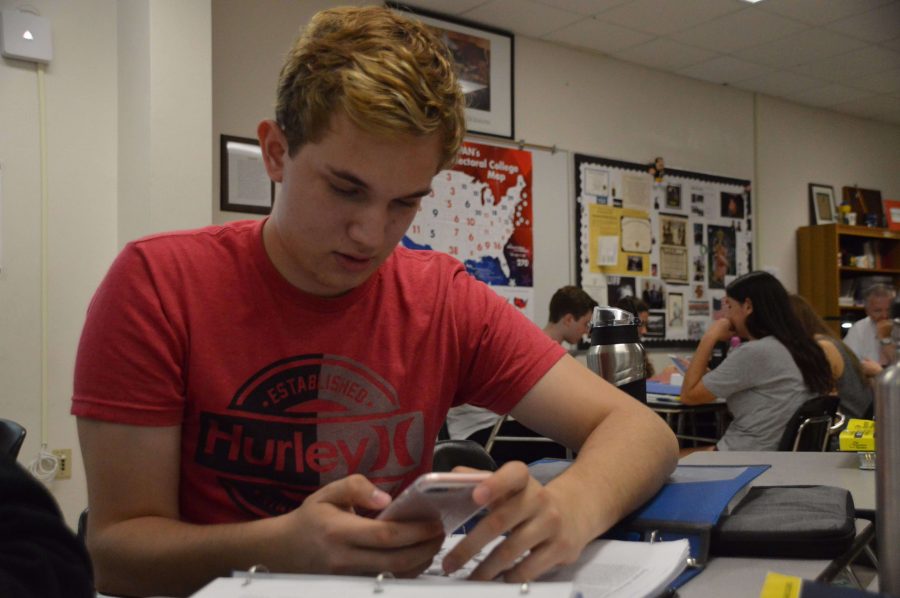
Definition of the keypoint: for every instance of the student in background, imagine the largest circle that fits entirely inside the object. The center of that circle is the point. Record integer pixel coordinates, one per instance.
(852, 384)
(253, 392)
(39, 556)
(870, 337)
(765, 379)
(570, 317)
(639, 309)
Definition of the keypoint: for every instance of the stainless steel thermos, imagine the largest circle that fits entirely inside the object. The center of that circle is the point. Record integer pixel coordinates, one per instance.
(616, 353)
(887, 470)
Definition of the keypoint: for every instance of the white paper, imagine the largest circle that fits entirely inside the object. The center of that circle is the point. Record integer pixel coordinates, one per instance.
(637, 192)
(596, 182)
(607, 250)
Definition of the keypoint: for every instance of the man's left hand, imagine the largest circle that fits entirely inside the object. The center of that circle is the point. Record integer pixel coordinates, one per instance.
(536, 520)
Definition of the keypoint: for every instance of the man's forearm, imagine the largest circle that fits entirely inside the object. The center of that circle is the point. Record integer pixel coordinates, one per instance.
(623, 462)
(160, 556)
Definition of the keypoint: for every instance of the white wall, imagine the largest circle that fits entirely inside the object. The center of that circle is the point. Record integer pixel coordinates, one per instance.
(90, 216)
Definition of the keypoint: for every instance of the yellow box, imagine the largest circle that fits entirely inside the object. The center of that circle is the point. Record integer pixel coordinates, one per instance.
(859, 435)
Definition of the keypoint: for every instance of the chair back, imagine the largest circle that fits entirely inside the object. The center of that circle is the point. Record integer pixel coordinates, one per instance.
(450, 453)
(809, 427)
(12, 435)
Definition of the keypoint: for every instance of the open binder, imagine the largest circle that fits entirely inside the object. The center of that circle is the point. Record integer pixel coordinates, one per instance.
(606, 569)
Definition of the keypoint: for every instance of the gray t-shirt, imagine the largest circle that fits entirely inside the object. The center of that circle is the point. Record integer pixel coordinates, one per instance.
(763, 387)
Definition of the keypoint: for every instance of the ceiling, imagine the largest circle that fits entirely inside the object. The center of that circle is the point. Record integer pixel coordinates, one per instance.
(841, 55)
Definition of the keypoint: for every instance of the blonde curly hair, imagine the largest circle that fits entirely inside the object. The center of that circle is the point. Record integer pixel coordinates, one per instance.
(390, 74)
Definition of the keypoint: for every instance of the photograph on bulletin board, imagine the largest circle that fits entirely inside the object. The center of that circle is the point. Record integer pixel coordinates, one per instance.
(675, 241)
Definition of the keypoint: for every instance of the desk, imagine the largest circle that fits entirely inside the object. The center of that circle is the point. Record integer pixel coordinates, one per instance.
(791, 469)
(679, 416)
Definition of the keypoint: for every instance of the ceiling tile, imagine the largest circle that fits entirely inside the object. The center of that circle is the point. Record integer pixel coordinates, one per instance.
(852, 65)
(525, 17)
(780, 83)
(800, 47)
(819, 12)
(828, 95)
(583, 7)
(447, 7)
(664, 54)
(882, 82)
(724, 69)
(877, 25)
(736, 31)
(599, 36)
(893, 44)
(664, 17)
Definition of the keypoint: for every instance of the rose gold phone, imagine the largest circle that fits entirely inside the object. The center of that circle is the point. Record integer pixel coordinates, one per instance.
(444, 496)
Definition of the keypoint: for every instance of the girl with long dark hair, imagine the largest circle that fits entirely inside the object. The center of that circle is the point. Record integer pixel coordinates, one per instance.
(765, 379)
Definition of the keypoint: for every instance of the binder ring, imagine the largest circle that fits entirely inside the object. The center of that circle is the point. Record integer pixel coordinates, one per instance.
(253, 571)
(524, 588)
(379, 582)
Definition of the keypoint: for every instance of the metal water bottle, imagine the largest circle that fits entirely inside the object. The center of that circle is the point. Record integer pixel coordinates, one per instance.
(887, 468)
(616, 353)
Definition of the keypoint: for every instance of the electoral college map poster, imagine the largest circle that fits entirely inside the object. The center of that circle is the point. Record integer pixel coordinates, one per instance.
(480, 213)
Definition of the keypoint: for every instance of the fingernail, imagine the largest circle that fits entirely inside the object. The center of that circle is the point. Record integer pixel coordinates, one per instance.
(450, 565)
(482, 495)
(380, 497)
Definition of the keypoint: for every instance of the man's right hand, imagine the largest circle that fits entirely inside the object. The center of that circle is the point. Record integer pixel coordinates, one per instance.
(325, 535)
(884, 328)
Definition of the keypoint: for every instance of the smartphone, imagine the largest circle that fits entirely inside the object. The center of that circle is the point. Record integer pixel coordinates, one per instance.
(444, 496)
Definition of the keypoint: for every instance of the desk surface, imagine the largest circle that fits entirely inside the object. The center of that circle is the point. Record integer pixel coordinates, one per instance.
(788, 469)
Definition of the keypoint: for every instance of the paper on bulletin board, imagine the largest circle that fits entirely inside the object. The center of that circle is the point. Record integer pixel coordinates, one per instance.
(605, 222)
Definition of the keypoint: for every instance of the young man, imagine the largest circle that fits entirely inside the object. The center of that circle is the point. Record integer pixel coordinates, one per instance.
(870, 338)
(570, 314)
(254, 392)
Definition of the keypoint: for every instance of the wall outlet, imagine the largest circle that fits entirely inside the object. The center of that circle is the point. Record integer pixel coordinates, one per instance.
(64, 470)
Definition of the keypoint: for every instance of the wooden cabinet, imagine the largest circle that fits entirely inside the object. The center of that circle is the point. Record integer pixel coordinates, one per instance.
(834, 258)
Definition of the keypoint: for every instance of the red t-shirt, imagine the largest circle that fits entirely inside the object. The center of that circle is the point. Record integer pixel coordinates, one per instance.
(279, 392)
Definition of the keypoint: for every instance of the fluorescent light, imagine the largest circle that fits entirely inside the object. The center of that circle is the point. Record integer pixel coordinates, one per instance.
(846, 324)
(752, 1)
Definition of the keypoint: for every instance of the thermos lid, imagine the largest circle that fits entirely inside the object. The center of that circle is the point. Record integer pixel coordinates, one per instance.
(612, 316)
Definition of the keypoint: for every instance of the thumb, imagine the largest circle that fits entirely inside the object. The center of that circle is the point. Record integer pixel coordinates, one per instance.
(352, 491)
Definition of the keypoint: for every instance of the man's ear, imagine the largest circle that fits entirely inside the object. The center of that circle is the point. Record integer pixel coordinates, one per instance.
(274, 148)
(568, 319)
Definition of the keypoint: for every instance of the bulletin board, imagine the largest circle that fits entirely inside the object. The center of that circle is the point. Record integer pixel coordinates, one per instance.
(674, 239)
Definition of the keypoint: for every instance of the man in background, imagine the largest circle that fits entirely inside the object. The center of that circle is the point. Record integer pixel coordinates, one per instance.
(870, 337)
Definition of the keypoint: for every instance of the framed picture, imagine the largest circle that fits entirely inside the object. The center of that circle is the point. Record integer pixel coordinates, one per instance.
(822, 208)
(484, 58)
(244, 184)
(892, 213)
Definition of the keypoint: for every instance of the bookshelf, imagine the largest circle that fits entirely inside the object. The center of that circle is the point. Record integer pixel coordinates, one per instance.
(835, 262)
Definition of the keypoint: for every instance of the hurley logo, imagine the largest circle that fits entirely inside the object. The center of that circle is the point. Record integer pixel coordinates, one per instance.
(303, 422)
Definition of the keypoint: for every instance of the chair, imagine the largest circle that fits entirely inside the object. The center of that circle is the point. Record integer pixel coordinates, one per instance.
(12, 435)
(523, 436)
(450, 453)
(811, 425)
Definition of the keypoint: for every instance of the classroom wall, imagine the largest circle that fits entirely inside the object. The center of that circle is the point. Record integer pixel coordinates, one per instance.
(133, 147)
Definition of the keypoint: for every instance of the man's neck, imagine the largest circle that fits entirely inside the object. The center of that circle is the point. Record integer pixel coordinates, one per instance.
(553, 331)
